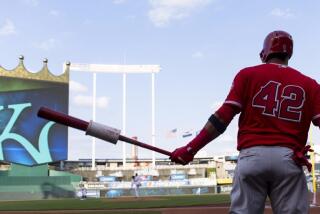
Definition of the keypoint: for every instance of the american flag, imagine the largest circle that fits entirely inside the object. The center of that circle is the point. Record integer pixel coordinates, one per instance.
(172, 133)
(187, 133)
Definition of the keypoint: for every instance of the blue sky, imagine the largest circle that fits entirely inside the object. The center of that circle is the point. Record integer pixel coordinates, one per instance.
(199, 44)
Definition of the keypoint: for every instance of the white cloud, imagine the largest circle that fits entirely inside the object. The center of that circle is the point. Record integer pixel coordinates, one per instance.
(8, 28)
(54, 13)
(47, 44)
(198, 55)
(283, 13)
(77, 87)
(86, 101)
(162, 12)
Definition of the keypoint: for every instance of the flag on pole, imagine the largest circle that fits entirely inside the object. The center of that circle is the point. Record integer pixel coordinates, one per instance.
(172, 133)
(187, 134)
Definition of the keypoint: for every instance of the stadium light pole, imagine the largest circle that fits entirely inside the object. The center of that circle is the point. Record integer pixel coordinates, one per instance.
(124, 70)
(153, 133)
(124, 117)
(94, 94)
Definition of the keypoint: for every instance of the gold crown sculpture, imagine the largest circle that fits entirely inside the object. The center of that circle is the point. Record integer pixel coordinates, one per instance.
(43, 75)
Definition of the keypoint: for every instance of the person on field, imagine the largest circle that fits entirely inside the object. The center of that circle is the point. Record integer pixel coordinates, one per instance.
(83, 192)
(277, 104)
(136, 183)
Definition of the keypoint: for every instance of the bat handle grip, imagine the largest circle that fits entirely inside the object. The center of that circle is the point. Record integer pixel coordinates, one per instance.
(62, 118)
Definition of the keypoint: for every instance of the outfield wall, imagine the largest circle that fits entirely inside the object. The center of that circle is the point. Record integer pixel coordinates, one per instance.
(148, 191)
(154, 188)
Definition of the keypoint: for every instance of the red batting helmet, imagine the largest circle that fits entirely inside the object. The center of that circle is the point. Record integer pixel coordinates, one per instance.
(277, 42)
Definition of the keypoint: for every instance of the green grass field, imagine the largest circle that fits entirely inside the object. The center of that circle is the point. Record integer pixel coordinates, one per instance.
(115, 205)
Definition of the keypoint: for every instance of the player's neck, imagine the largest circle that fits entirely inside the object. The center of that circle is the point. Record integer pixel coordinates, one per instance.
(278, 61)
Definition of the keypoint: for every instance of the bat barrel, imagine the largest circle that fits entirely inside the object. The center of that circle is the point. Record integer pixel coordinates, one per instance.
(62, 118)
(96, 130)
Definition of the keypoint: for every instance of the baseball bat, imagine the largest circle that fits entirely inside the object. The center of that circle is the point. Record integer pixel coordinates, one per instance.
(94, 129)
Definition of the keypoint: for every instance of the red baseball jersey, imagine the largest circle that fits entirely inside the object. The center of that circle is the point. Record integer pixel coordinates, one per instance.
(277, 105)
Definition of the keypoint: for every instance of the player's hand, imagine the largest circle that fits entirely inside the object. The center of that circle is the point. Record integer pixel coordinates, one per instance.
(301, 159)
(182, 155)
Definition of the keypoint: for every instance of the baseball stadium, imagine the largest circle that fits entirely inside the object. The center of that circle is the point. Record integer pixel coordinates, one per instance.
(45, 181)
(159, 107)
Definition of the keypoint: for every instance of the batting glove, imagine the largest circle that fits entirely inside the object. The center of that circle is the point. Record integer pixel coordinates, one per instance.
(300, 157)
(182, 155)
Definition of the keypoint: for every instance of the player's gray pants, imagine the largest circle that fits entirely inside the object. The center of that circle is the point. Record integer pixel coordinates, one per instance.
(268, 171)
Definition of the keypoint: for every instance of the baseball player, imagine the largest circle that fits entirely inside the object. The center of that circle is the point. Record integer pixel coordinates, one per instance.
(277, 104)
(136, 183)
(83, 192)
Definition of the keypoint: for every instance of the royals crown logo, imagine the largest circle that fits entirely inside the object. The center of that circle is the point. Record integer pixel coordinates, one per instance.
(43, 75)
(25, 138)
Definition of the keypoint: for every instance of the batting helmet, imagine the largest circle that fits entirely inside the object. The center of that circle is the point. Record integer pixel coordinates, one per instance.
(277, 42)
